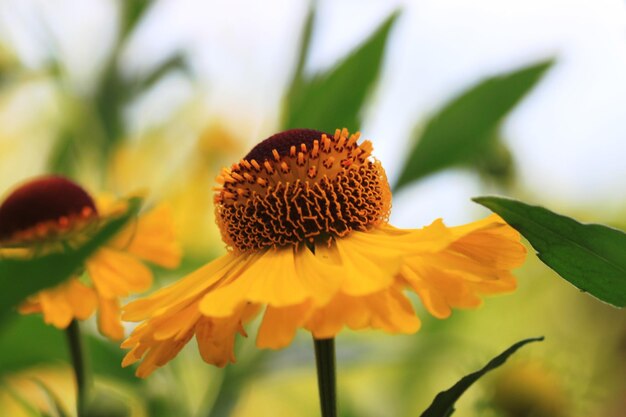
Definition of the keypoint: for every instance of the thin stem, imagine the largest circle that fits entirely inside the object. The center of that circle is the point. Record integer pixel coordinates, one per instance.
(326, 375)
(78, 361)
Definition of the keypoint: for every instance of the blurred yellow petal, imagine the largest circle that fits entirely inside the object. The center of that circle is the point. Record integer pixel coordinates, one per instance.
(82, 299)
(152, 238)
(117, 274)
(109, 322)
(63, 303)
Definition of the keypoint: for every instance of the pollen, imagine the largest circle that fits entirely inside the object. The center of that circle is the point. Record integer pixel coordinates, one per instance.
(42, 207)
(301, 186)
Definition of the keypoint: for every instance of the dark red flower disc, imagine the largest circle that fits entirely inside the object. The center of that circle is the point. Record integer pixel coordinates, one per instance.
(282, 142)
(43, 199)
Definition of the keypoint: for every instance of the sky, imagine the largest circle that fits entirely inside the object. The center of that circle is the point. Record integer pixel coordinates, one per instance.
(568, 136)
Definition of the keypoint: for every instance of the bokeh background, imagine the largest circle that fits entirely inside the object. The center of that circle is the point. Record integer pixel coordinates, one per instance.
(132, 95)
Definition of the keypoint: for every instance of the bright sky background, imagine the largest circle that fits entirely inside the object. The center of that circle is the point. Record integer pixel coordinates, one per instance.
(568, 137)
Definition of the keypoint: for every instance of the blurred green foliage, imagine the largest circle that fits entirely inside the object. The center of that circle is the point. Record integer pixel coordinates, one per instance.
(464, 130)
(443, 405)
(335, 98)
(98, 116)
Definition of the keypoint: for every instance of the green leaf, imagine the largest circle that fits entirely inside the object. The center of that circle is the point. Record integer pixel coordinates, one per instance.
(303, 52)
(17, 347)
(20, 278)
(175, 62)
(465, 128)
(443, 404)
(19, 352)
(132, 13)
(590, 256)
(334, 99)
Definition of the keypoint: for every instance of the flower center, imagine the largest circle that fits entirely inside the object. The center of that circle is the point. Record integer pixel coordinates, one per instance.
(301, 186)
(43, 206)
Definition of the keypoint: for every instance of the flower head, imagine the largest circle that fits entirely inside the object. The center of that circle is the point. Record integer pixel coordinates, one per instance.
(44, 209)
(305, 218)
(50, 213)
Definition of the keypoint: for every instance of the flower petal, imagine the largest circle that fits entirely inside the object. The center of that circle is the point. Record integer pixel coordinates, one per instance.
(152, 238)
(63, 303)
(431, 238)
(279, 325)
(117, 274)
(109, 322)
(269, 278)
(82, 299)
(161, 338)
(367, 266)
(388, 310)
(56, 310)
(476, 262)
(493, 242)
(216, 337)
(321, 275)
(160, 354)
(184, 290)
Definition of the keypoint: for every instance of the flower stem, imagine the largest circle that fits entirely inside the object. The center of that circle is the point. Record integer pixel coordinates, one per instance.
(78, 361)
(326, 375)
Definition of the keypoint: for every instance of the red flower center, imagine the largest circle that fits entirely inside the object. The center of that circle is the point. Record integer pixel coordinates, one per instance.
(43, 200)
(282, 143)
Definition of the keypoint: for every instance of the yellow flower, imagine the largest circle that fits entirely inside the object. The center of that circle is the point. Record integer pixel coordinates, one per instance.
(49, 213)
(304, 216)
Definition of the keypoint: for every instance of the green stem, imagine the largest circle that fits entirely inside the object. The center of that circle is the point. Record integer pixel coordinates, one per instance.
(78, 361)
(326, 375)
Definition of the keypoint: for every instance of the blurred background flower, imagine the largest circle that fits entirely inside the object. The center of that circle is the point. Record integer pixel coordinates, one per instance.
(125, 95)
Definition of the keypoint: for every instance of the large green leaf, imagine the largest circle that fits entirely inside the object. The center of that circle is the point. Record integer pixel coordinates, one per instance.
(20, 278)
(334, 99)
(590, 256)
(443, 404)
(465, 128)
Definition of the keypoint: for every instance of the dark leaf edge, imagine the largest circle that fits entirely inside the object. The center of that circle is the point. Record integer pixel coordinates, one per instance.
(443, 404)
